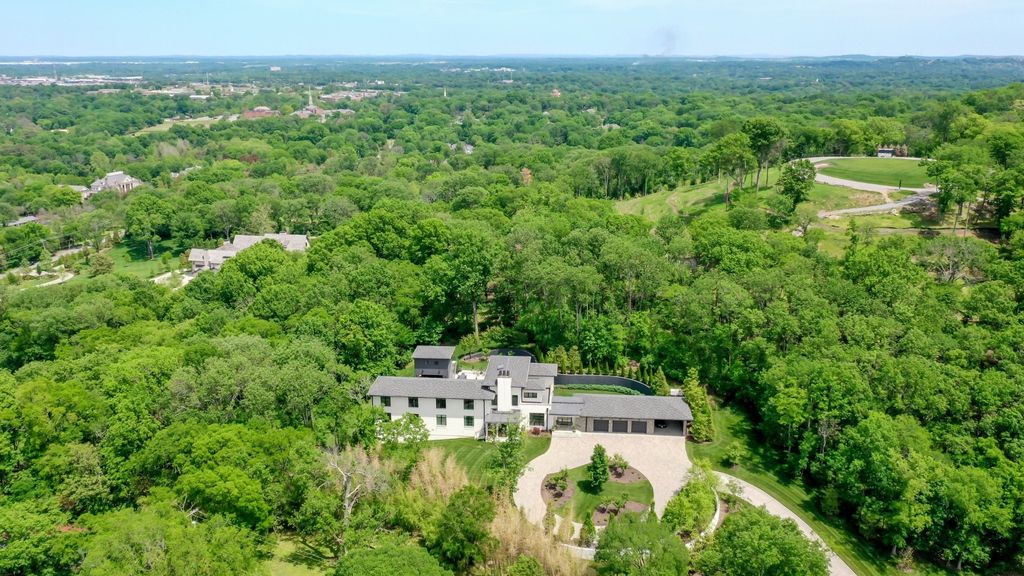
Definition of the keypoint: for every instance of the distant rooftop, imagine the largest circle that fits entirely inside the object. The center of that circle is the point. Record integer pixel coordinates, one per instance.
(433, 353)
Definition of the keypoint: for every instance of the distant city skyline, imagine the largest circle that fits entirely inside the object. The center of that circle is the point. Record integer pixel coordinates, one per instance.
(526, 28)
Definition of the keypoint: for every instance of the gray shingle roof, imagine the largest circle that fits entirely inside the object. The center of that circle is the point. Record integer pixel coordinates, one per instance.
(537, 369)
(430, 388)
(517, 366)
(433, 353)
(625, 407)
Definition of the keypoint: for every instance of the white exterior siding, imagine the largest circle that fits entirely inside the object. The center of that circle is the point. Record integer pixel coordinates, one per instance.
(454, 412)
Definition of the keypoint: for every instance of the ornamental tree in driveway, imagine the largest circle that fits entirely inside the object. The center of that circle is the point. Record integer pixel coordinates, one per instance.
(598, 467)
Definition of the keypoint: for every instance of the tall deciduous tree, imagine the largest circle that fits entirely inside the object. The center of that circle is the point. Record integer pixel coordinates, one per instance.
(752, 541)
(797, 180)
(767, 138)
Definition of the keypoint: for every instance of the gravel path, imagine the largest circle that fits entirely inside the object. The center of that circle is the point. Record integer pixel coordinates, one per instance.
(662, 459)
(759, 497)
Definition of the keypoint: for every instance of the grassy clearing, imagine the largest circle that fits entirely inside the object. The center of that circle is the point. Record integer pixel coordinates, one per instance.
(168, 124)
(762, 470)
(475, 455)
(292, 558)
(133, 258)
(585, 500)
(886, 171)
(826, 197)
(690, 201)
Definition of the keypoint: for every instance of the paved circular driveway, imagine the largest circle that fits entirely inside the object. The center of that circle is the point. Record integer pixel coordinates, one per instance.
(662, 459)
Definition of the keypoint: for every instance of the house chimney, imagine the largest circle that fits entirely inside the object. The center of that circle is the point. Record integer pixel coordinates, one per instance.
(504, 383)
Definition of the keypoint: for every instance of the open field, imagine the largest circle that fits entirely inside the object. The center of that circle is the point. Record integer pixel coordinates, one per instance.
(690, 201)
(731, 425)
(475, 455)
(132, 258)
(885, 171)
(585, 500)
(168, 124)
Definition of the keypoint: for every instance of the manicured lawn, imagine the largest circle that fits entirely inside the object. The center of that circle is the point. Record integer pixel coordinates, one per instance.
(887, 171)
(690, 201)
(292, 558)
(168, 124)
(475, 455)
(585, 500)
(826, 197)
(133, 258)
(760, 469)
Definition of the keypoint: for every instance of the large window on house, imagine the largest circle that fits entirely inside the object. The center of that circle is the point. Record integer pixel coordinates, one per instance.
(414, 402)
(442, 420)
(536, 419)
(468, 421)
(527, 395)
(385, 401)
(468, 404)
(515, 400)
(440, 403)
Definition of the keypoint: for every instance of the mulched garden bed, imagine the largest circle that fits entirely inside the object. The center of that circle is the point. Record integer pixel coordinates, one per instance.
(549, 494)
(601, 515)
(629, 476)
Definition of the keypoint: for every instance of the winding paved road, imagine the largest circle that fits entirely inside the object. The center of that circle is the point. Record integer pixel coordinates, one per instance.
(758, 497)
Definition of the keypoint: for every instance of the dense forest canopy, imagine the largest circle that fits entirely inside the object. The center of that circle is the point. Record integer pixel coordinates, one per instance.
(887, 377)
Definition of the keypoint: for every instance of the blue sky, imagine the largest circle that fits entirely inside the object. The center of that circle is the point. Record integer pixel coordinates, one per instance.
(485, 27)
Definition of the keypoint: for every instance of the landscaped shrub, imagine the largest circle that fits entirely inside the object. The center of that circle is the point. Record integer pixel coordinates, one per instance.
(598, 467)
(600, 387)
(702, 428)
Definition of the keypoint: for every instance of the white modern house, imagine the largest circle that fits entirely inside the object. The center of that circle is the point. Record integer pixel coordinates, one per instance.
(514, 390)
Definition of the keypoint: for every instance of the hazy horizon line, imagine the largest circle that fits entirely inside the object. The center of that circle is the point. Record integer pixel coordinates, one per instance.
(31, 57)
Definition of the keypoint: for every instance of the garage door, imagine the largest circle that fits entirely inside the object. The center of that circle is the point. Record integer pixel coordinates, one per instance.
(620, 426)
(639, 426)
(600, 425)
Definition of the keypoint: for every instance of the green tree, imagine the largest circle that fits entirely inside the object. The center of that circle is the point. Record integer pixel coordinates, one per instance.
(147, 218)
(509, 460)
(752, 541)
(638, 545)
(162, 541)
(463, 537)
(588, 533)
(399, 560)
(597, 470)
(767, 138)
(797, 180)
(702, 428)
(100, 264)
(692, 508)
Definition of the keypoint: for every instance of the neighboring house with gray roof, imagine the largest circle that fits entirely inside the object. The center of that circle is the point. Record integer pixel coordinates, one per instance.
(455, 404)
(212, 259)
(116, 181)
